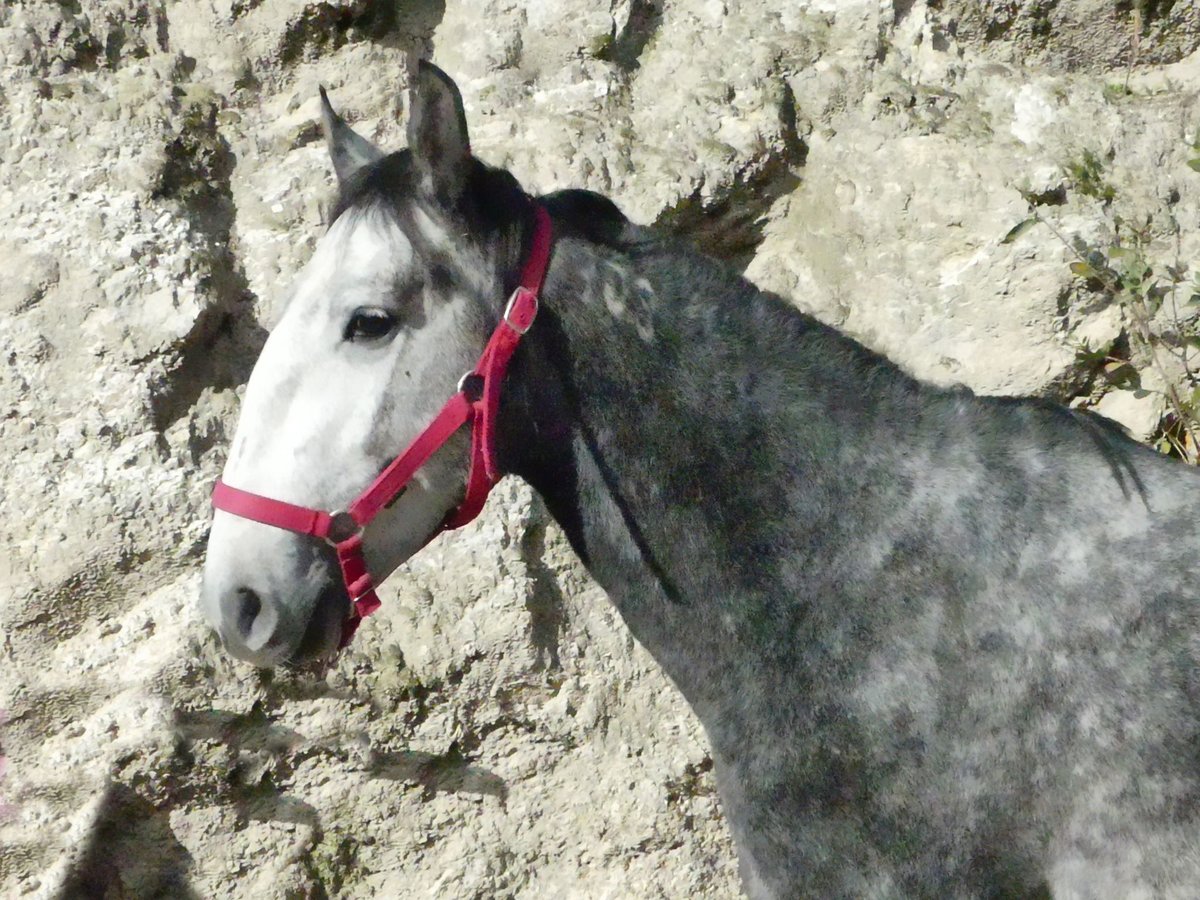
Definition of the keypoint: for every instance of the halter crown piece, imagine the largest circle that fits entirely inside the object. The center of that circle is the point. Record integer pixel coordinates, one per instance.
(477, 402)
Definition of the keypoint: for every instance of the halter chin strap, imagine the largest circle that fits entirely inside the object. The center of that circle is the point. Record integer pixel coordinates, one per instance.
(477, 401)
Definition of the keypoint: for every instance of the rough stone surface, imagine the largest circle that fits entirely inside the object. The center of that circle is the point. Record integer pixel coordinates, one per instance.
(495, 731)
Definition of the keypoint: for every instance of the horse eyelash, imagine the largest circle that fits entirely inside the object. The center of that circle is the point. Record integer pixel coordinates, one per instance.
(369, 313)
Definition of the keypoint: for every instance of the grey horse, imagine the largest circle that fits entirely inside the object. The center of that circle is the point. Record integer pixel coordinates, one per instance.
(942, 645)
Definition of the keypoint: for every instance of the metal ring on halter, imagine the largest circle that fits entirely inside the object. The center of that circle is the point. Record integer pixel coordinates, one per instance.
(342, 527)
(471, 384)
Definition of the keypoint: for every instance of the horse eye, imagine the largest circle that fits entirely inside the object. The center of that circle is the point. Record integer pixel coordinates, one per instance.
(369, 325)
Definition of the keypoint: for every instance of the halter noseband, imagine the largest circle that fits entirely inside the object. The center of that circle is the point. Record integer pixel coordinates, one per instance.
(477, 401)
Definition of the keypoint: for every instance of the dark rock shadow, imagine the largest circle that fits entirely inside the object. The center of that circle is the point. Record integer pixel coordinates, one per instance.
(729, 225)
(244, 731)
(262, 747)
(645, 19)
(324, 28)
(132, 852)
(447, 773)
(278, 807)
(545, 601)
(220, 348)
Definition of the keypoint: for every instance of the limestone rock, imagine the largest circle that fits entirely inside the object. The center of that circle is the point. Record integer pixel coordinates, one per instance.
(494, 731)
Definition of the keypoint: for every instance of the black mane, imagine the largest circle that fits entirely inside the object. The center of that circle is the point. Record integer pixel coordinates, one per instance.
(587, 215)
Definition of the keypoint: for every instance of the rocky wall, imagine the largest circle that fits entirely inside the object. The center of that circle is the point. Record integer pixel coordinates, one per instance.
(969, 187)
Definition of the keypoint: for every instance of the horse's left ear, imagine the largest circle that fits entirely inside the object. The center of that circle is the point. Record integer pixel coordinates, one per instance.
(349, 150)
(437, 135)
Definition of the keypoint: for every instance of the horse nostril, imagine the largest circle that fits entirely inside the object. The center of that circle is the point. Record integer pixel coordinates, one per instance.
(249, 621)
(252, 626)
(248, 608)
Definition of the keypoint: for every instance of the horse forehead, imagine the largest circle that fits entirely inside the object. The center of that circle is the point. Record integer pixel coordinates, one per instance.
(358, 248)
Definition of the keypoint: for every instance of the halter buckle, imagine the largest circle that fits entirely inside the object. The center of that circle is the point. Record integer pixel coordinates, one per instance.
(342, 527)
(517, 326)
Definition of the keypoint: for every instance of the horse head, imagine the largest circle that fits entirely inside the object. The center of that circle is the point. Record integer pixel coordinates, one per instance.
(394, 306)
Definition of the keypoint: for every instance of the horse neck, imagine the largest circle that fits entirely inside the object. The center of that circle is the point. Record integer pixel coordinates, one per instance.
(689, 433)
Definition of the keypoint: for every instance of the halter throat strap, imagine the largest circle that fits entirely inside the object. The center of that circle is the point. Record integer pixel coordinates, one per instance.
(477, 401)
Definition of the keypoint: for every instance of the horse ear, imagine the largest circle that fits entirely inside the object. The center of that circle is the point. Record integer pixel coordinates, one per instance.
(349, 150)
(437, 134)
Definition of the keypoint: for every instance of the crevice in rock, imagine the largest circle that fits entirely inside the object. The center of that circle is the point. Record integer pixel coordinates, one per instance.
(112, 47)
(197, 177)
(626, 49)
(78, 49)
(729, 225)
(239, 8)
(1055, 196)
(900, 10)
(545, 601)
(1150, 9)
(324, 27)
(997, 29)
(162, 29)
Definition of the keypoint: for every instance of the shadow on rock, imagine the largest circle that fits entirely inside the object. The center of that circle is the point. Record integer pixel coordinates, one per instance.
(449, 772)
(132, 852)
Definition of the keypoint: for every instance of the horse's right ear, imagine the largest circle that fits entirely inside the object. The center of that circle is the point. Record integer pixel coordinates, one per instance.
(349, 150)
(437, 135)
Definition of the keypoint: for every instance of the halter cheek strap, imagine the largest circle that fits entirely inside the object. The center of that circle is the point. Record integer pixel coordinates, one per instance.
(477, 401)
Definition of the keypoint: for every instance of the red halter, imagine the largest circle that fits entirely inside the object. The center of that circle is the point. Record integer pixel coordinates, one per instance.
(477, 401)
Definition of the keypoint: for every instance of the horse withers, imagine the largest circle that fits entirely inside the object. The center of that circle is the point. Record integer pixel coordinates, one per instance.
(942, 645)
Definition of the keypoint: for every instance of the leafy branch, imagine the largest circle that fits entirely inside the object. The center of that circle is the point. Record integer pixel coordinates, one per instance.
(1124, 273)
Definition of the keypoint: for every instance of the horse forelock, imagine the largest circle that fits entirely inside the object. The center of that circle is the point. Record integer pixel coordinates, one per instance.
(387, 183)
(466, 240)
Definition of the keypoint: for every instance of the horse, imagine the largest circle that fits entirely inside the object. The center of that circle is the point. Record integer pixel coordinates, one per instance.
(942, 645)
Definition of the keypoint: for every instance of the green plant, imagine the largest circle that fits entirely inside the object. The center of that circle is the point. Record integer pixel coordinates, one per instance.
(1125, 272)
(1114, 92)
(332, 862)
(601, 46)
(1125, 269)
(1194, 157)
(1087, 177)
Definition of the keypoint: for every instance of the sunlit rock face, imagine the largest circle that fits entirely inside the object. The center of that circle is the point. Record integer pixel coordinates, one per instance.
(494, 731)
